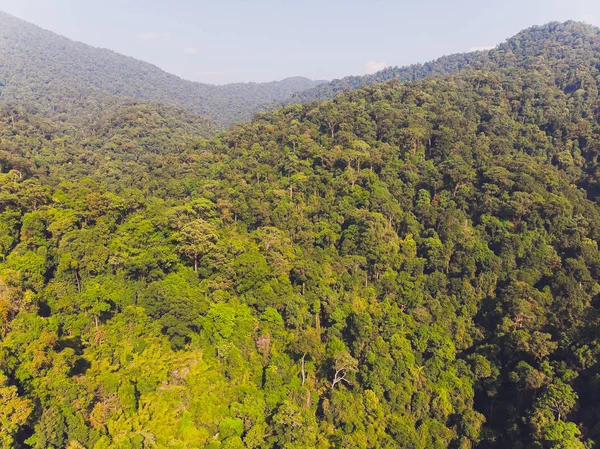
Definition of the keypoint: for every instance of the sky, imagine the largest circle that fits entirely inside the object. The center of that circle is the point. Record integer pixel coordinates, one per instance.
(224, 41)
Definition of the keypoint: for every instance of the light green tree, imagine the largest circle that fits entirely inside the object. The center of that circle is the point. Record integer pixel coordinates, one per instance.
(196, 239)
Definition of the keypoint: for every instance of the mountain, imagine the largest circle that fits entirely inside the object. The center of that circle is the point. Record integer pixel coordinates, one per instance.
(409, 265)
(49, 73)
(554, 35)
(441, 66)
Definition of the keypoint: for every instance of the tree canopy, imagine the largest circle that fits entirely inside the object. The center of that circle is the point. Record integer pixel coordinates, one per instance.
(408, 265)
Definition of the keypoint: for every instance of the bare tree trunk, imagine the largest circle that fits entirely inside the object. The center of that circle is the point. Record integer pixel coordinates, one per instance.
(77, 281)
(303, 372)
(338, 377)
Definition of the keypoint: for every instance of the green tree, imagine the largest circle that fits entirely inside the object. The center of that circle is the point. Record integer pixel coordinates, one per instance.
(196, 240)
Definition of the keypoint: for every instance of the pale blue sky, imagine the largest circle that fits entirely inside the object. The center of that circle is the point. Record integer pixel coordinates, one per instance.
(224, 41)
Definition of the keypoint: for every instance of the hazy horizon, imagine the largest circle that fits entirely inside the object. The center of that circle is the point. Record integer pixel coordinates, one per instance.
(238, 41)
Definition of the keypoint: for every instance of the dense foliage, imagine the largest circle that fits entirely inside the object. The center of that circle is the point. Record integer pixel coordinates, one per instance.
(51, 74)
(482, 60)
(442, 66)
(119, 148)
(407, 266)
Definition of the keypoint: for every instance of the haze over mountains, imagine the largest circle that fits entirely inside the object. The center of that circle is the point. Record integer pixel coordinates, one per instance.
(50, 73)
(413, 264)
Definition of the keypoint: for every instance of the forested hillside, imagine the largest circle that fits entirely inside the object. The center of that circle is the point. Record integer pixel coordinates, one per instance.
(410, 265)
(442, 66)
(53, 75)
(494, 59)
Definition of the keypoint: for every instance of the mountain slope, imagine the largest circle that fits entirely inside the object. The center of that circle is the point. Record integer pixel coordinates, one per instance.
(410, 265)
(50, 73)
(549, 39)
(441, 66)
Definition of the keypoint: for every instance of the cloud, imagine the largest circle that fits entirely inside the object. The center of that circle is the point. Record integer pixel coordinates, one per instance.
(152, 36)
(374, 66)
(209, 73)
(482, 48)
(190, 51)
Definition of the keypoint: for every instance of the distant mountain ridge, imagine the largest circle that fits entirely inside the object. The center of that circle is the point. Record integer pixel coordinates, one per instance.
(45, 72)
(527, 44)
(413, 72)
(53, 75)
